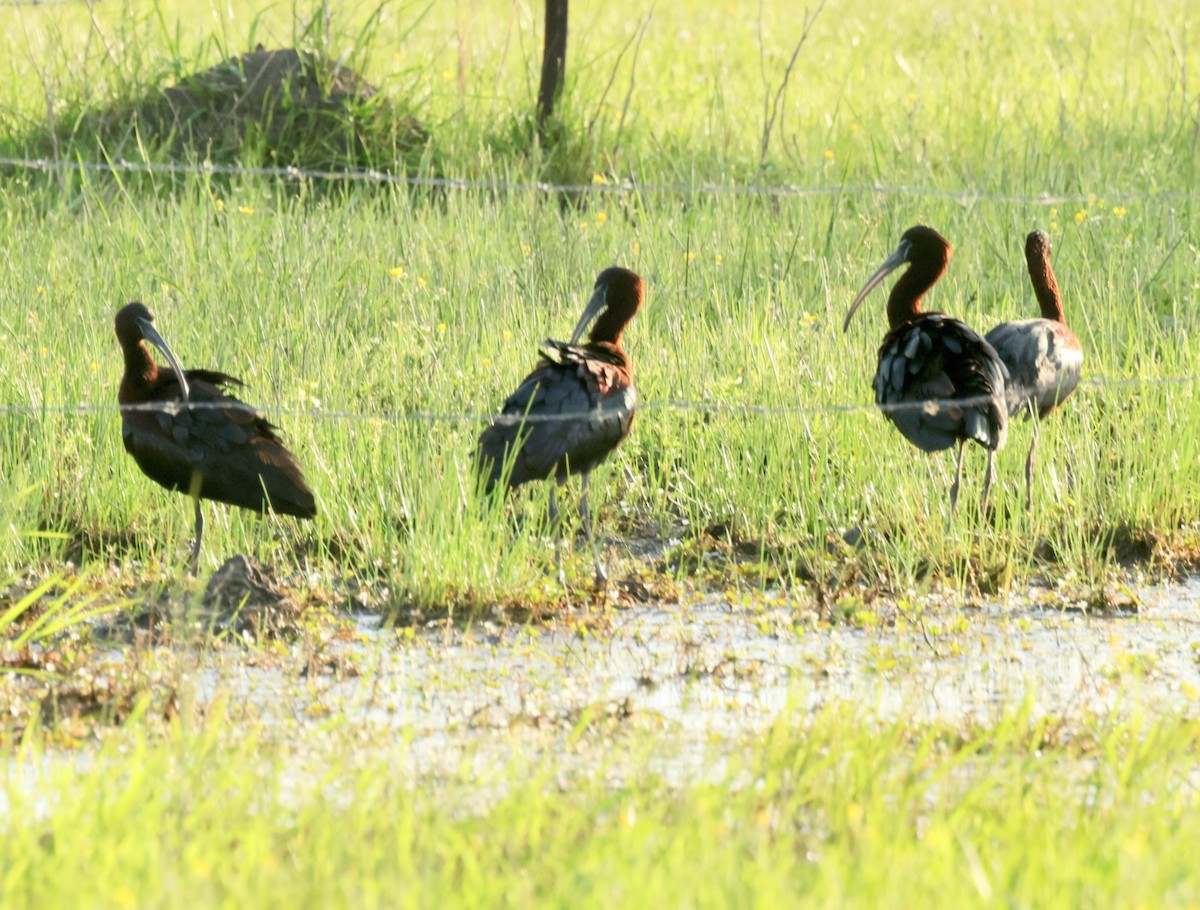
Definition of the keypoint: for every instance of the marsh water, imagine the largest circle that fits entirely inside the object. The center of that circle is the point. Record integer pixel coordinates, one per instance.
(706, 676)
(722, 668)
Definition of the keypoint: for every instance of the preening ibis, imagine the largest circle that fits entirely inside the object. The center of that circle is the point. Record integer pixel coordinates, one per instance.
(574, 408)
(938, 380)
(1043, 356)
(222, 450)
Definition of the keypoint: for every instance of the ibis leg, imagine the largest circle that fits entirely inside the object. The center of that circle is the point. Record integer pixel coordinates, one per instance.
(1029, 460)
(1029, 472)
(957, 477)
(556, 530)
(601, 574)
(194, 564)
(987, 482)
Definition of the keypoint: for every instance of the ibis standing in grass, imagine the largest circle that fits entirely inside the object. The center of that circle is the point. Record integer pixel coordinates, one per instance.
(574, 408)
(187, 434)
(1043, 356)
(938, 380)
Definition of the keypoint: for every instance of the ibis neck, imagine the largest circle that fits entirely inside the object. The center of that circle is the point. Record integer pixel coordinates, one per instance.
(609, 327)
(141, 371)
(1046, 288)
(904, 303)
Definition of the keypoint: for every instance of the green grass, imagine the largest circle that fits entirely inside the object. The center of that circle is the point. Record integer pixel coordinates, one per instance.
(830, 809)
(376, 324)
(295, 293)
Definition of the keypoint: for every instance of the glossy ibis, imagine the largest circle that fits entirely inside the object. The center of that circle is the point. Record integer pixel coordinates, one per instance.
(222, 449)
(574, 408)
(938, 380)
(1043, 356)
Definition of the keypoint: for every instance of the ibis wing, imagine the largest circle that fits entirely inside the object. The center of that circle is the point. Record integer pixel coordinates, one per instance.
(565, 418)
(939, 382)
(1044, 361)
(214, 378)
(220, 442)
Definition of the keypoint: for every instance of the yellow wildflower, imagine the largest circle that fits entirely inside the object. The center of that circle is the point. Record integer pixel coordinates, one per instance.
(441, 328)
(828, 154)
(396, 272)
(1119, 211)
(245, 210)
(599, 179)
(41, 290)
(220, 204)
(1080, 215)
(601, 217)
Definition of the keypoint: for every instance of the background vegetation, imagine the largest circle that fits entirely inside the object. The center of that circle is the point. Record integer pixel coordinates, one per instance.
(379, 322)
(348, 306)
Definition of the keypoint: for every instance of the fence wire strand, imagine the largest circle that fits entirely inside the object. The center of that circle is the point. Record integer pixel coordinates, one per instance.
(479, 417)
(21, 4)
(615, 187)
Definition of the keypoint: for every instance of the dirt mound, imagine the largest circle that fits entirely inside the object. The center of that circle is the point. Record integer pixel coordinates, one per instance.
(278, 107)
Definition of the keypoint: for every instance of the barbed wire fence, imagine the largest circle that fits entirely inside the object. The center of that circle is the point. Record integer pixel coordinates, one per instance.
(607, 187)
(15, 4)
(490, 417)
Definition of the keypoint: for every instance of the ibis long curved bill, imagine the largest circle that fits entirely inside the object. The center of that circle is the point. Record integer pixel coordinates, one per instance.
(150, 333)
(893, 262)
(595, 306)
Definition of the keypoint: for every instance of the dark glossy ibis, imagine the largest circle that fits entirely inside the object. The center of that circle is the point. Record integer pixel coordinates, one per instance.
(1043, 356)
(574, 408)
(938, 380)
(222, 449)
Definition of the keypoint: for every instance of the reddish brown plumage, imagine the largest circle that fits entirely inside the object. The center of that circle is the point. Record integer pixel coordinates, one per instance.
(930, 357)
(1041, 276)
(222, 450)
(593, 380)
(1043, 356)
(576, 406)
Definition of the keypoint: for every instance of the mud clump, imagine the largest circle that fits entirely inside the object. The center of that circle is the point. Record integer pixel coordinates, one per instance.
(245, 596)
